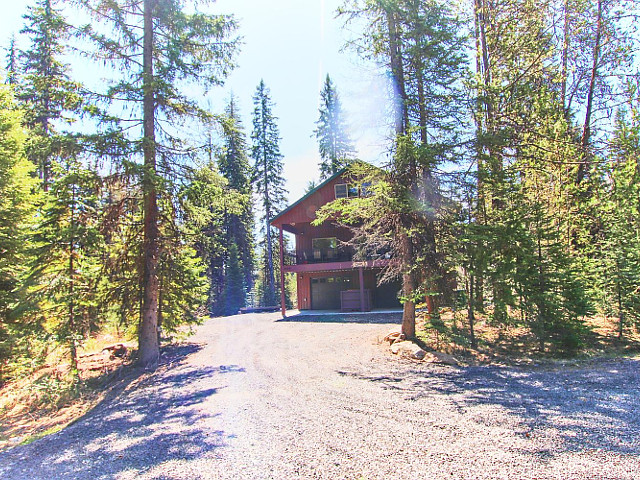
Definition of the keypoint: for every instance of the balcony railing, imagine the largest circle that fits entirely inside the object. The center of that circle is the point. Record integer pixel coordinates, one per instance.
(325, 256)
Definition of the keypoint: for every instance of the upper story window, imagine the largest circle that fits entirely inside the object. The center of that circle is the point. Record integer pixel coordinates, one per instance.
(344, 190)
(325, 248)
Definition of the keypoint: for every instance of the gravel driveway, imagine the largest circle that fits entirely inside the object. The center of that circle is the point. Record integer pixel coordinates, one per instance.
(259, 398)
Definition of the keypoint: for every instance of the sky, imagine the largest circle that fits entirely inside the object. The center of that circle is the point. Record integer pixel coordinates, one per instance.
(292, 45)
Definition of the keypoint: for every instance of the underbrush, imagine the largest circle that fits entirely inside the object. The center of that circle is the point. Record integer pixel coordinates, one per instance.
(449, 332)
(51, 396)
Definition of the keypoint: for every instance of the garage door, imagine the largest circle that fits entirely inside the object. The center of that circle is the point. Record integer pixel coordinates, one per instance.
(325, 292)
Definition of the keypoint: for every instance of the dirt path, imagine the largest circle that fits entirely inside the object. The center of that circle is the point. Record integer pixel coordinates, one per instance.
(261, 398)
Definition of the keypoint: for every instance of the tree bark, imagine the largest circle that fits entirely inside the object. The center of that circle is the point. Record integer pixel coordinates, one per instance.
(409, 180)
(72, 326)
(397, 70)
(408, 288)
(148, 346)
(565, 58)
(586, 129)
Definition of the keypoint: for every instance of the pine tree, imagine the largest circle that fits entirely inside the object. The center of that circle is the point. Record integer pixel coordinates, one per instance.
(207, 203)
(120, 290)
(267, 178)
(183, 285)
(17, 208)
(617, 252)
(335, 146)
(158, 47)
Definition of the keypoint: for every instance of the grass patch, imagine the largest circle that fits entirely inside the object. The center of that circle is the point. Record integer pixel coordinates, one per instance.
(38, 436)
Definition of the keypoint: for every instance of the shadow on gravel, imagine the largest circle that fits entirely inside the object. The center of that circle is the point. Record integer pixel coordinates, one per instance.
(595, 407)
(381, 318)
(147, 419)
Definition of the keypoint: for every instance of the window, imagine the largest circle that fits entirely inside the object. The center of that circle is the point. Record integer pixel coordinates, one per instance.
(324, 244)
(353, 191)
(341, 190)
(325, 248)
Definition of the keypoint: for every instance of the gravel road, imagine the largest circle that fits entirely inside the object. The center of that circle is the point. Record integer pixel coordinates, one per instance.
(259, 398)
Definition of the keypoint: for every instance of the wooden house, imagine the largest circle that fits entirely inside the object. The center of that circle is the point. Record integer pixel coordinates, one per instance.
(327, 276)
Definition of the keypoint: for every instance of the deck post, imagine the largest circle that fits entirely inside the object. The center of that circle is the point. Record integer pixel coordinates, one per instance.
(361, 277)
(282, 301)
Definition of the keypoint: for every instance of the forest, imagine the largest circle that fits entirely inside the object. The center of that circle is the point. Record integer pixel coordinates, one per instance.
(511, 189)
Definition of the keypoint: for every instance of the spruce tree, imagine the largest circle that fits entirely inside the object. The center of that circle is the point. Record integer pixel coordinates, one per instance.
(234, 290)
(17, 208)
(158, 47)
(267, 178)
(120, 290)
(52, 100)
(207, 202)
(418, 44)
(234, 166)
(66, 267)
(12, 62)
(616, 258)
(335, 146)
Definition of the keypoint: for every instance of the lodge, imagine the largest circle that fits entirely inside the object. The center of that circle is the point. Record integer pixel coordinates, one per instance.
(328, 277)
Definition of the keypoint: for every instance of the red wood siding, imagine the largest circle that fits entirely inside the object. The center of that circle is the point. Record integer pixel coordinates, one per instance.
(304, 291)
(304, 241)
(305, 211)
(297, 219)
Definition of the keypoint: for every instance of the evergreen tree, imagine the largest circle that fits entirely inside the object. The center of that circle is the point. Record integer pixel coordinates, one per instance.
(418, 44)
(12, 61)
(207, 203)
(158, 47)
(17, 205)
(234, 290)
(234, 166)
(267, 177)
(66, 265)
(51, 99)
(334, 143)
(183, 284)
(120, 290)
(617, 251)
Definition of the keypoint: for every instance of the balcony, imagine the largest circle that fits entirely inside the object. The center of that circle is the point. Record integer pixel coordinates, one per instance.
(322, 256)
(333, 258)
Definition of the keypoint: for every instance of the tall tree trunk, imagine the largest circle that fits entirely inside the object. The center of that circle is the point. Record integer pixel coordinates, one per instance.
(586, 128)
(619, 298)
(421, 105)
(45, 167)
(483, 122)
(408, 287)
(270, 291)
(149, 349)
(409, 179)
(71, 326)
(565, 59)
(397, 70)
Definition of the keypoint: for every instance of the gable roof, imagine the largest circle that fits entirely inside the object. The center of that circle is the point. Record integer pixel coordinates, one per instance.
(309, 194)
